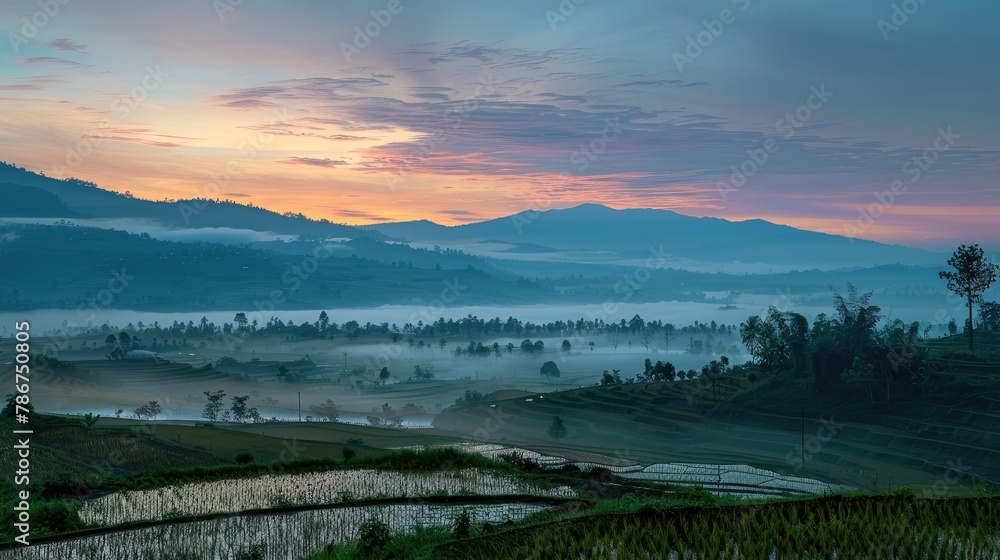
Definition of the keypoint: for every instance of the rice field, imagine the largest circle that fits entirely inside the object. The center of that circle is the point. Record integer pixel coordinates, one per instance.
(581, 459)
(886, 528)
(321, 488)
(730, 480)
(286, 536)
(735, 480)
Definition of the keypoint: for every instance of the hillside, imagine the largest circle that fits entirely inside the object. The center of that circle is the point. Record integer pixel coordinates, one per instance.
(38, 196)
(80, 264)
(915, 440)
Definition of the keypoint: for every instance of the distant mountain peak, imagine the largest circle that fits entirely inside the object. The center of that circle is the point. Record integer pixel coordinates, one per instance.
(591, 206)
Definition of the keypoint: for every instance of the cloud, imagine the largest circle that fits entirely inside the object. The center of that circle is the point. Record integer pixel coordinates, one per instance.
(457, 212)
(317, 162)
(358, 214)
(249, 105)
(67, 45)
(59, 63)
(347, 137)
(22, 87)
(143, 141)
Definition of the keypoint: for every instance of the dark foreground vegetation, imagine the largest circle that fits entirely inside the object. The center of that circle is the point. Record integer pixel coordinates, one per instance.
(886, 526)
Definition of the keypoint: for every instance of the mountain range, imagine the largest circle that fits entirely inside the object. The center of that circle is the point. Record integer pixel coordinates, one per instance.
(563, 255)
(596, 233)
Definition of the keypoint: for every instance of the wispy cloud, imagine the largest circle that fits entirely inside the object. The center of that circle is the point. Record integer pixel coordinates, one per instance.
(58, 63)
(316, 162)
(65, 44)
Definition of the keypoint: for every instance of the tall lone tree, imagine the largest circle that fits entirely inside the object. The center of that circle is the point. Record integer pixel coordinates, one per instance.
(557, 429)
(972, 276)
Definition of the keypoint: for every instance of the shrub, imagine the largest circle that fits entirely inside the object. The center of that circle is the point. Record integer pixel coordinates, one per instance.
(244, 459)
(549, 369)
(463, 523)
(373, 536)
(902, 492)
(54, 517)
(253, 552)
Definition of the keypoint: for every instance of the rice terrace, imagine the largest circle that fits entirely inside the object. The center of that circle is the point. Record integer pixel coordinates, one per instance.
(525, 280)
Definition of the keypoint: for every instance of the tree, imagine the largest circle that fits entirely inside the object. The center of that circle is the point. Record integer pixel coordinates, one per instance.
(750, 333)
(214, 405)
(661, 371)
(238, 409)
(557, 429)
(989, 316)
(124, 340)
(148, 411)
(423, 373)
(714, 372)
(646, 338)
(856, 321)
(529, 347)
(110, 340)
(668, 335)
(566, 346)
(10, 408)
(549, 369)
(384, 375)
(326, 410)
(972, 276)
(861, 376)
(752, 378)
(324, 322)
(609, 379)
(241, 323)
(89, 419)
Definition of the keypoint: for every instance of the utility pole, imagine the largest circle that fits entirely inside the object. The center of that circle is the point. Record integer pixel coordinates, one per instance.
(802, 450)
(345, 363)
(300, 406)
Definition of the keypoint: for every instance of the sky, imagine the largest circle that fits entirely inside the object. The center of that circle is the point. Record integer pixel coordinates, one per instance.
(868, 118)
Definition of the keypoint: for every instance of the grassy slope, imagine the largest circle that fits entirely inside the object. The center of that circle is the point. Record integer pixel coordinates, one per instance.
(913, 441)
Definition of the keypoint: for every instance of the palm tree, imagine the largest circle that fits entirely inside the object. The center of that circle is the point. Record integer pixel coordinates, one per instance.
(857, 320)
(750, 332)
